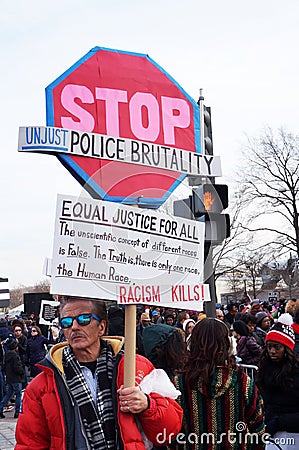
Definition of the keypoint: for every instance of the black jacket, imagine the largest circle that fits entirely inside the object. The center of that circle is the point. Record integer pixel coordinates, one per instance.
(13, 367)
(22, 346)
(260, 336)
(296, 349)
(281, 403)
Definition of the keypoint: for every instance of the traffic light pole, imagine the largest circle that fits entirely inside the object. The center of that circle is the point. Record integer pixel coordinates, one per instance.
(209, 277)
(206, 203)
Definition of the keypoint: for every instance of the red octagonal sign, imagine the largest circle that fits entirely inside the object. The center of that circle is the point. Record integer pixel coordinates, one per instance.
(125, 95)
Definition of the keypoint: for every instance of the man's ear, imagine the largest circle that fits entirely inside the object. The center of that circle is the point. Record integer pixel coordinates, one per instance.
(102, 327)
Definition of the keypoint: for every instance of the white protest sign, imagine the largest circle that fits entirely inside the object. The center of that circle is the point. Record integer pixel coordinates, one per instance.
(115, 252)
(48, 311)
(92, 145)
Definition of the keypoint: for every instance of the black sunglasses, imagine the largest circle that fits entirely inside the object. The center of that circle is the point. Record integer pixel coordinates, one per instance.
(82, 320)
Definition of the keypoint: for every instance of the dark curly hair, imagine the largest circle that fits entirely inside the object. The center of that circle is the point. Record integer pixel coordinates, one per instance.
(208, 349)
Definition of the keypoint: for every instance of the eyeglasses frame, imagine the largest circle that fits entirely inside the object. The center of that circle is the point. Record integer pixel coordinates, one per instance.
(94, 316)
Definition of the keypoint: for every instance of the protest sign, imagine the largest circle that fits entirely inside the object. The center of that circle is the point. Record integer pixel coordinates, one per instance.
(134, 256)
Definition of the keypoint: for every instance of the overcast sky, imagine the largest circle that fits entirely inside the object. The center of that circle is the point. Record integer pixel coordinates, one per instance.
(243, 54)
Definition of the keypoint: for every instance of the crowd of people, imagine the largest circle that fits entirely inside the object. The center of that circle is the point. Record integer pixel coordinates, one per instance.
(22, 347)
(192, 390)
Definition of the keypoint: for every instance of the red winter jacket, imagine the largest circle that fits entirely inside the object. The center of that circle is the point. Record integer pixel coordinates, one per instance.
(48, 416)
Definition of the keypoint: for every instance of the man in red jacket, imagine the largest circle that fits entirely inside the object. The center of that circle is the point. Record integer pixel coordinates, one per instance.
(78, 401)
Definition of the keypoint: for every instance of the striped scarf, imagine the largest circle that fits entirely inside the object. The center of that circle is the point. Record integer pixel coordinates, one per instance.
(98, 420)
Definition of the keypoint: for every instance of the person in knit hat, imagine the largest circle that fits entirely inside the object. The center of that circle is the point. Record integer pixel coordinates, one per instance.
(263, 325)
(188, 326)
(248, 349)
(278, 380)
(282, 332)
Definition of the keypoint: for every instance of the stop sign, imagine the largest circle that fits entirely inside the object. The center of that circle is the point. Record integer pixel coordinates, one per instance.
(125, 95)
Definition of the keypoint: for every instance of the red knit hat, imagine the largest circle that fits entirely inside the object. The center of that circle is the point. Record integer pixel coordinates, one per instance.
(282, 332)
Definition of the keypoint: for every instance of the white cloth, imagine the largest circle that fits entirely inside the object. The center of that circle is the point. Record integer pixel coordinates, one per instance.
(158, 381)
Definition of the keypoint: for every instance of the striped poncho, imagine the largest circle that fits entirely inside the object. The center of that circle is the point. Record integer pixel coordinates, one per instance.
(227, 414)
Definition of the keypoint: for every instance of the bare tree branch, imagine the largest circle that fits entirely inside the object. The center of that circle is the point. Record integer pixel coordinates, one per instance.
(271, 187)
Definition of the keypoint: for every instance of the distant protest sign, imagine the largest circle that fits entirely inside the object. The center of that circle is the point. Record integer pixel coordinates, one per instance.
(4, 293)
(48, 312)
(129, 255)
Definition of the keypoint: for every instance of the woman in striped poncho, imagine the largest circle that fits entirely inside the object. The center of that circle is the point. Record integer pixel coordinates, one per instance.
(223, 409)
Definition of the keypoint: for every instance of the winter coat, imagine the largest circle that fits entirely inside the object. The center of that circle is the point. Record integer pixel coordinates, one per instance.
(212, 411)
(116, 319)
(248, 350)
(1, 356)
(13, 367)
(139, 339)
(282, 404)
(5, 332)
(36, 349)
(260, 336)
(22, 346)
(52, 416)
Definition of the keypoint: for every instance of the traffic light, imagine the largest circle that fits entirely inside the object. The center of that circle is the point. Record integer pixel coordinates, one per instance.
(209, 198)
(182, 208)
(207, 203)
(208, 137)
(217, 227)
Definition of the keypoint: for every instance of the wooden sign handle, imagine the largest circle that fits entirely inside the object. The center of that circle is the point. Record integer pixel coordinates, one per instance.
(130, 346)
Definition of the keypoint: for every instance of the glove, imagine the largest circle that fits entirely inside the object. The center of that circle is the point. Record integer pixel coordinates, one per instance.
(273, 426)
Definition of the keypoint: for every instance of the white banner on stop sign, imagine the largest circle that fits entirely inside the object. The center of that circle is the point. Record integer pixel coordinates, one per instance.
(99, 146)
(129, 255)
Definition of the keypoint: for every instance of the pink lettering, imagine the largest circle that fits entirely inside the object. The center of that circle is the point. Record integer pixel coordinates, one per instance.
(68, 95)
(144, 112)
(172, 120)
(139, 101)
(112, 97)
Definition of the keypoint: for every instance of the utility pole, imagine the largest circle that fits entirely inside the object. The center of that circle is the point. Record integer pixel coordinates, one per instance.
(209, 276)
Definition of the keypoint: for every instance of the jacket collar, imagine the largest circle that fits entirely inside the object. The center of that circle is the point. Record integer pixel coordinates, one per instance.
(55, 354)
